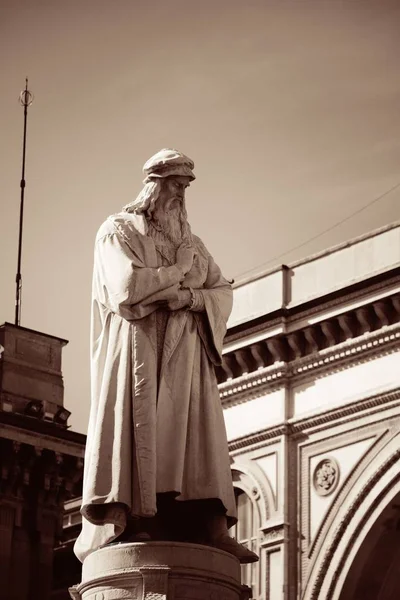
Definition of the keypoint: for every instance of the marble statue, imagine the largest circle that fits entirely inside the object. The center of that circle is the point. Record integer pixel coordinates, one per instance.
(157, 465)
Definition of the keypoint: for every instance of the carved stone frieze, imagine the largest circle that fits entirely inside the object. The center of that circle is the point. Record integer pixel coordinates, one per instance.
(311, 340)
(329, 358)
(249, 385)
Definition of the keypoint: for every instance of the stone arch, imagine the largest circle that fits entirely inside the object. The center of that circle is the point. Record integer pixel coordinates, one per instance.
(362, 505)
(247, 475)
(258, 505)
(373, 573)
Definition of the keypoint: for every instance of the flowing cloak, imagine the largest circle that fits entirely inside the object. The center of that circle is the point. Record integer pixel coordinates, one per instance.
(150, 434)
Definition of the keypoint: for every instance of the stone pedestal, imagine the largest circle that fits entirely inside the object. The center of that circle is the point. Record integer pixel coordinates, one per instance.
(158, 571)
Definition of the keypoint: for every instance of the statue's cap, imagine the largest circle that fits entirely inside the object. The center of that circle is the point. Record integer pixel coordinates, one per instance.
(168, 162)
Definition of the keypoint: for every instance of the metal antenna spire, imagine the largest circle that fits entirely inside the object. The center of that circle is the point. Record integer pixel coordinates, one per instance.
(25, 99)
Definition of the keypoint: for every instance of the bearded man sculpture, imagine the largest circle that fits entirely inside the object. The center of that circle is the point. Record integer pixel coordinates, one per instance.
(157, 465)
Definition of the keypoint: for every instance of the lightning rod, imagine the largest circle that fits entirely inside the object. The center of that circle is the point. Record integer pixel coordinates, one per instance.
(25, 99)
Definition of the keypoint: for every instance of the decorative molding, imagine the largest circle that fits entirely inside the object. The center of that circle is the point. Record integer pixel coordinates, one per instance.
(155, 582)
(260, 437)
(255, 483)
(384, 433)
(41, 440)
(378, 435)
(296, 427)
(329, 360)
(349, 353)
(107, 582)
(352, 409)
(310, 337)
(358, 531)
(326, 476)
(272, 535)
(252, 385)
(343, 524)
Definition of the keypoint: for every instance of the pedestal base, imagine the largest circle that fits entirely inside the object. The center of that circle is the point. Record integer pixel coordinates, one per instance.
(160, 571)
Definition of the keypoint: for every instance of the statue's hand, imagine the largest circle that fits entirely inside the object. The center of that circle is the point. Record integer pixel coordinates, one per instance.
(184, 257)
(183, 301)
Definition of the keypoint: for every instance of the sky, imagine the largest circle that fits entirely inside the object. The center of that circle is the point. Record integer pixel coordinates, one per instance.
(290, 110)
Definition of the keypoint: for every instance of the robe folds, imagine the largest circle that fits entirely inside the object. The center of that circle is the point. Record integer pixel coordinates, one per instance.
(152, 428)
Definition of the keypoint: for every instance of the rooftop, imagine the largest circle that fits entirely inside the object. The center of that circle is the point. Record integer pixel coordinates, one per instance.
(321, 274)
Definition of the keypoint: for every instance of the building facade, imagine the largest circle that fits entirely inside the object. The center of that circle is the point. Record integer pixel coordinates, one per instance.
(310, 386)
(41, 461)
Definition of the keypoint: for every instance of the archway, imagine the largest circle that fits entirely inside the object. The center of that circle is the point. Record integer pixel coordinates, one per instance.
(365, 518)
(374, 573)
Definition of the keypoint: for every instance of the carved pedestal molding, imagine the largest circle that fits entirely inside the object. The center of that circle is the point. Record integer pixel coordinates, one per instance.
(160, 571)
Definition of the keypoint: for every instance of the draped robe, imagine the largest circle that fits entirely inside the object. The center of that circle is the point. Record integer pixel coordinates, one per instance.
(153, 427)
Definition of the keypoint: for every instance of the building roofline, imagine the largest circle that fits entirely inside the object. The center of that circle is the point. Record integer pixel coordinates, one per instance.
(38, 428)
(317, 255)
(335, 297)
(53, 337)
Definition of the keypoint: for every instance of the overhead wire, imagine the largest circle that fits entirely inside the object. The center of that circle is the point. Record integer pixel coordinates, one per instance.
(318, 235)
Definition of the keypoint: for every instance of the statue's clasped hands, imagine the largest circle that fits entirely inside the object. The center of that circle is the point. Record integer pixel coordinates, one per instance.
(184, 260)
(185, 256)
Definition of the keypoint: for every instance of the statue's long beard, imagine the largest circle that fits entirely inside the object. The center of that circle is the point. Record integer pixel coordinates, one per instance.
(173, 224)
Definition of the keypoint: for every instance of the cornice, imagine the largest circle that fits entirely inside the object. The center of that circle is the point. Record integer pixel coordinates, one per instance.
(42, 441)
(328, 360)
(290, 314)
(38, 429)
(352, 409)
(348, 353)
(260, 437)
(349, 295)
(297, 426)
(299, 338)
(270, 321)
(251, 385)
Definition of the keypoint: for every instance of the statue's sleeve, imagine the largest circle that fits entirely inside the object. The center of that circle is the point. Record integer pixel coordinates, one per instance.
(218, 299)
(125, 285)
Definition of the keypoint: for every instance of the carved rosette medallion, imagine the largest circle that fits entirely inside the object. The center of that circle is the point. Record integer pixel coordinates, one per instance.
(326, 476)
